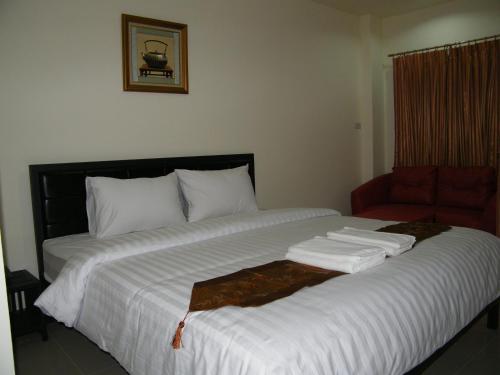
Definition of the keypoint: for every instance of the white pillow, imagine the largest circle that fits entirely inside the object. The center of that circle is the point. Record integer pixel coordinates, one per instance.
(116, 206)
(217, 193)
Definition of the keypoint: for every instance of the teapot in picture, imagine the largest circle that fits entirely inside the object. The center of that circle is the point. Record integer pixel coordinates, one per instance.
(155, 60)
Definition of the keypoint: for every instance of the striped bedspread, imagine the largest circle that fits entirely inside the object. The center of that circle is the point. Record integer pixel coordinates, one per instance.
(382, 321)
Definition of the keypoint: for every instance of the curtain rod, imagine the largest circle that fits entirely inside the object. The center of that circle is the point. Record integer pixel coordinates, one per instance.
(445, 45)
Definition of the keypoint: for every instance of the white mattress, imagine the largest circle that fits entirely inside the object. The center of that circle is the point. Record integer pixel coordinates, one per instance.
(57, 251)
(382, 321)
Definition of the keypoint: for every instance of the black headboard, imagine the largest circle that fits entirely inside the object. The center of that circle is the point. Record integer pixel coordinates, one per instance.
(58, 190)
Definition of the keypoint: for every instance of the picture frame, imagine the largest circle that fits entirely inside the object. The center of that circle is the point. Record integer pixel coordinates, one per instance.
(154, 55)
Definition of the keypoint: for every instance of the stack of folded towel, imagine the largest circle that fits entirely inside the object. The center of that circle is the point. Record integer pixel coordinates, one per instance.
(350, 250)
(336, 255)
(393, 244)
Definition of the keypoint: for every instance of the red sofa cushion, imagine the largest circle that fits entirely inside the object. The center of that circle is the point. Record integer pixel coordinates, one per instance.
(413, 185)
(465, 187)
(459, 216)
(371, 193)
(399, 212)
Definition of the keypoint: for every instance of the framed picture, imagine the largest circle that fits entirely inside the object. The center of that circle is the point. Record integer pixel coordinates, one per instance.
(155, 56)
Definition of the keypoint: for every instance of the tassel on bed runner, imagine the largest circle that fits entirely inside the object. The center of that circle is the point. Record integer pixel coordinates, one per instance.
(177, 341)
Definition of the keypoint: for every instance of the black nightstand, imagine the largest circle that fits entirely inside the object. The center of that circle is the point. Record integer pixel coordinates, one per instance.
(23, 289)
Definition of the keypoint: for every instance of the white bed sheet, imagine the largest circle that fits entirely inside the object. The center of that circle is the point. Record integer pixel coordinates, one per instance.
(382, 321)
(63, 298)
(57, 251)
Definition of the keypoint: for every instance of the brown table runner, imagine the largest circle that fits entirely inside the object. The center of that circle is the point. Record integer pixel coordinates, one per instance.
(254, 286)
(421, 231)
(259, 285)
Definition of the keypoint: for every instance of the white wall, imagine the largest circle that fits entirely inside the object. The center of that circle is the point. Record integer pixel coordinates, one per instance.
(274, 77)
(459, 20)
(6, 356)
(371, 113)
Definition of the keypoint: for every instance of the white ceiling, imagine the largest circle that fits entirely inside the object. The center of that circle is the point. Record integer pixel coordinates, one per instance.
(381, 8)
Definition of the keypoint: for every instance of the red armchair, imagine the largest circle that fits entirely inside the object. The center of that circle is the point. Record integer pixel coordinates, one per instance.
(453, 196)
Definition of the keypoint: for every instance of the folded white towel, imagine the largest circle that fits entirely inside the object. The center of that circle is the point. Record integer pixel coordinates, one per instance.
(336, 255)
(347, 267)
(393, 243)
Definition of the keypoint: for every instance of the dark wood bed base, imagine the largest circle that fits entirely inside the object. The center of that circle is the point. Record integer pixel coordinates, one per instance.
(58, 190)
(58, 200)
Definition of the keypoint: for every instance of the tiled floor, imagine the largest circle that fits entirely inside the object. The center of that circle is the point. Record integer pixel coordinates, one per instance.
(69, 353)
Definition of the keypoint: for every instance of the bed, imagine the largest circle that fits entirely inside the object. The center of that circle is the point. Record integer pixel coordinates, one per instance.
(128, 293)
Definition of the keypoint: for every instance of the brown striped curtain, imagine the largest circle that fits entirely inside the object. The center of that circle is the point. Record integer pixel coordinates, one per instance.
(447, 109)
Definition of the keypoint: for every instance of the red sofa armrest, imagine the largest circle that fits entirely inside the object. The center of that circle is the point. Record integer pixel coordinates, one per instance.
(371, 193)
(489, 218)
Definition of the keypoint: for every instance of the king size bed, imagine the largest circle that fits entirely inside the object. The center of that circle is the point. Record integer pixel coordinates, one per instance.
(128, 292)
